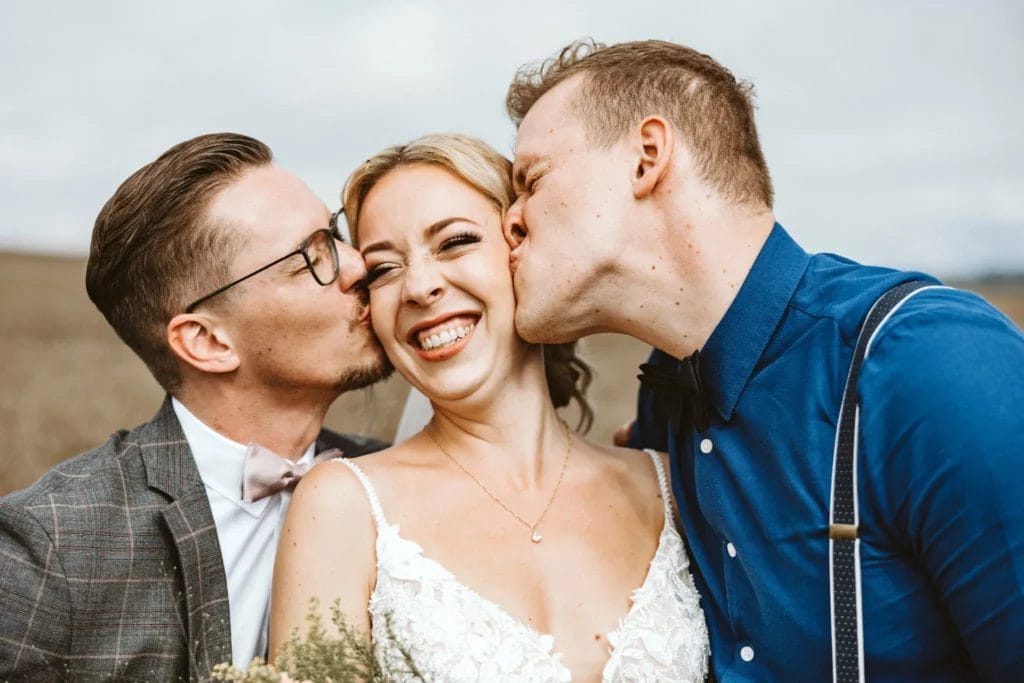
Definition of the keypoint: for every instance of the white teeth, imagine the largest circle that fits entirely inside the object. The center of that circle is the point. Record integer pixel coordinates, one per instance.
(445, 337)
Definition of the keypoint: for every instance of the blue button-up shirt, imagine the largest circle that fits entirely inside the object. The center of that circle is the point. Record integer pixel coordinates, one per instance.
(940, 477)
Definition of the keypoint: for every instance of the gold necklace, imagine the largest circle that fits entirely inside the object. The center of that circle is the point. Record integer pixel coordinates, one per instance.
(535, 535)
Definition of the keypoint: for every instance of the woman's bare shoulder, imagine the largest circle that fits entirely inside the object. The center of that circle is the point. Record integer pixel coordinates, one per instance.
(630, 469)
(388, 472)
(330, 501)
(628, 460)
(326, 550)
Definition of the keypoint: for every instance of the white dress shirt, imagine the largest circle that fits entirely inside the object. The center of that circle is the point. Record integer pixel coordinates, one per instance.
(247, 532)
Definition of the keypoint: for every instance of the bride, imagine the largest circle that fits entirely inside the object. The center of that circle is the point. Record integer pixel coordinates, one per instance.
(496, 544)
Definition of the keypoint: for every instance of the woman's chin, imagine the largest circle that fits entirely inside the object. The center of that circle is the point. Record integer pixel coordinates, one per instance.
(468, 369)
(452, 385)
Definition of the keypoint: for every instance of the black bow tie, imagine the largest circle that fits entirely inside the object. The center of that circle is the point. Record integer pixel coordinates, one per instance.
(680, 391)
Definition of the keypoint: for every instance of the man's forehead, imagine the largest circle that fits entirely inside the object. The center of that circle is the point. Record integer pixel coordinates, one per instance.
(265, 189)
(269, 205)
(550, 119)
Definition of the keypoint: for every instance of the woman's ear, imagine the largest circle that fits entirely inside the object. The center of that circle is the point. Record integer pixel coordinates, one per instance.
(200, 342)
(654, 144)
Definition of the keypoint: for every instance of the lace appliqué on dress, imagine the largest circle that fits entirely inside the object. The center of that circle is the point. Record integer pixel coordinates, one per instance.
(663, 637)
(454, 634)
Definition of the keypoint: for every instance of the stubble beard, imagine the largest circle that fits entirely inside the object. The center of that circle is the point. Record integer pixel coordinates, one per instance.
(372, 370)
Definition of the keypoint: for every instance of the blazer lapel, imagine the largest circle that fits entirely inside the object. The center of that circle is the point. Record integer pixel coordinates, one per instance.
(171, 469)
(202, 572)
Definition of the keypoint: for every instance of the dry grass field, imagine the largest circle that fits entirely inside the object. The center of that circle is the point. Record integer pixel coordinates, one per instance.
(67, 381)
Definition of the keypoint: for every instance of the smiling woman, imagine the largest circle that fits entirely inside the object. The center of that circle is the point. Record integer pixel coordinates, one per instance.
(486, 172)
(417, 253)
(525, 552)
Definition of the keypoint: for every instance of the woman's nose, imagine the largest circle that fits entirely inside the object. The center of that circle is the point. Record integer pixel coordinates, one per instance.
(423, 284)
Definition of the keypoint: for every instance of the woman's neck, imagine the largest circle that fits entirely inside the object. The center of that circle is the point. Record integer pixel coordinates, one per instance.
(511, 431)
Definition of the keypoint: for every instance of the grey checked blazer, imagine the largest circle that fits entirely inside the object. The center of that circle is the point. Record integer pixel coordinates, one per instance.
(110, 567)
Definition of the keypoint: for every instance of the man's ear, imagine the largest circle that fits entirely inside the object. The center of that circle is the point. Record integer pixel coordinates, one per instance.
(198, 341)
(654, 139)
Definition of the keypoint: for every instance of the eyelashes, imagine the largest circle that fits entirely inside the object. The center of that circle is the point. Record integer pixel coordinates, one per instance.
(448, 248)
(460, 239)
(372, 274)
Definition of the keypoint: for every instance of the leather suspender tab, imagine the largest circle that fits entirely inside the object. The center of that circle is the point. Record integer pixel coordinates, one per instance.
(844, 531)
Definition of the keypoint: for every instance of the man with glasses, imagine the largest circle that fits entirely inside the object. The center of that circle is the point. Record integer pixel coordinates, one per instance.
(150, 557)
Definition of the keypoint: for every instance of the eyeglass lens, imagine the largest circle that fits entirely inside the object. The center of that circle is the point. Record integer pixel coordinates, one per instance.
(323, 257)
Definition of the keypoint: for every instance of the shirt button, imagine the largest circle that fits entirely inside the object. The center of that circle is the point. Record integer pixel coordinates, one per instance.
(747, 653)
(706, 446)
(731, 549)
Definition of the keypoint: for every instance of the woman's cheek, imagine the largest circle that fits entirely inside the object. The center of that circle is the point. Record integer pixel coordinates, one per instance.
(381, 322)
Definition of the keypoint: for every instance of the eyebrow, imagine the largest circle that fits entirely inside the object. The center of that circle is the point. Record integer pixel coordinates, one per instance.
(519, 176)
(430, 231)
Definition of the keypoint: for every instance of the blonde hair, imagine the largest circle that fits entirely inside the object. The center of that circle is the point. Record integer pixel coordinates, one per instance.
(465, 156)
(489, 173)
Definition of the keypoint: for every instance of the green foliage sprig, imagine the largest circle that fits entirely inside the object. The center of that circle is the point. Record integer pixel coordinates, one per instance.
(347, 657)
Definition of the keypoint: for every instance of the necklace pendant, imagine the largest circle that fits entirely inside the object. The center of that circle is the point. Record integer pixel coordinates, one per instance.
(536, 537)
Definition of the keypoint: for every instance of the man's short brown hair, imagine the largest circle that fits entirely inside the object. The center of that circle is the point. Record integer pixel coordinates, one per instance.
(626, 82)
(153, 247)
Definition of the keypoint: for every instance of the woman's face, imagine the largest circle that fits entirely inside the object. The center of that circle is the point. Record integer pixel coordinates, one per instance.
(441, 298)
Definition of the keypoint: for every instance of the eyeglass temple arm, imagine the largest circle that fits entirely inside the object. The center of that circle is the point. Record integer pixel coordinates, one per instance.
(192, 306)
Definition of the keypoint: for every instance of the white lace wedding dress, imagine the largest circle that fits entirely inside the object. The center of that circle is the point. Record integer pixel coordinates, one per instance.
(454, 634)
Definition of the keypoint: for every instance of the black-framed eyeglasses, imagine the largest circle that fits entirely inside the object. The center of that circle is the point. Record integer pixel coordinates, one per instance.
(319, 250)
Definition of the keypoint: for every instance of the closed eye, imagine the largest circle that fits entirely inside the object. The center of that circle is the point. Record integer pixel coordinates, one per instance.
(459, 240)
(532, 178)
(374, 273)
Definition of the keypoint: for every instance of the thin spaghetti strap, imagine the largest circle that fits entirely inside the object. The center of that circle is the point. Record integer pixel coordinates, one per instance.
(371, 494)
(666, 492)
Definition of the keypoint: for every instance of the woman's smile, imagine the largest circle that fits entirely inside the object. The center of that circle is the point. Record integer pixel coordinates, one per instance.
(443, 337)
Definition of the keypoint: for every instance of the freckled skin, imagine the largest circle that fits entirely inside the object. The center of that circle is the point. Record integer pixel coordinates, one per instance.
(604, 213)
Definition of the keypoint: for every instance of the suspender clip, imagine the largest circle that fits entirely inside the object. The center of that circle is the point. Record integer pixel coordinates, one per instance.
(847, 532)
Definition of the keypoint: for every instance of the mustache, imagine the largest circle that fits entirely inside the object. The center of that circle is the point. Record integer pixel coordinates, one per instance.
(362, 303)
(362, 292)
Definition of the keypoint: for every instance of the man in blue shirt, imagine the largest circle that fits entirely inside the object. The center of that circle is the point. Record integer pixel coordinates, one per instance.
(644, 208)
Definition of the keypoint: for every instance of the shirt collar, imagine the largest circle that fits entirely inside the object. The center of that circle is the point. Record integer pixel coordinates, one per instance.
(220, 460)
(736, 344)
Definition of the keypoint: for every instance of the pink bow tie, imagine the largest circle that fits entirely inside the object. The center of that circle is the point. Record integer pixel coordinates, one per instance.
(266, 472)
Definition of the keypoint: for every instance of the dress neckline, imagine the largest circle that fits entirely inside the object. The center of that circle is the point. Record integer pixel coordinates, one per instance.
(412, 551)
(545, 640)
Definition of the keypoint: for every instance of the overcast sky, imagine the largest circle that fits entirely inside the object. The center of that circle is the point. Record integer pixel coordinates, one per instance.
(893, 130)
